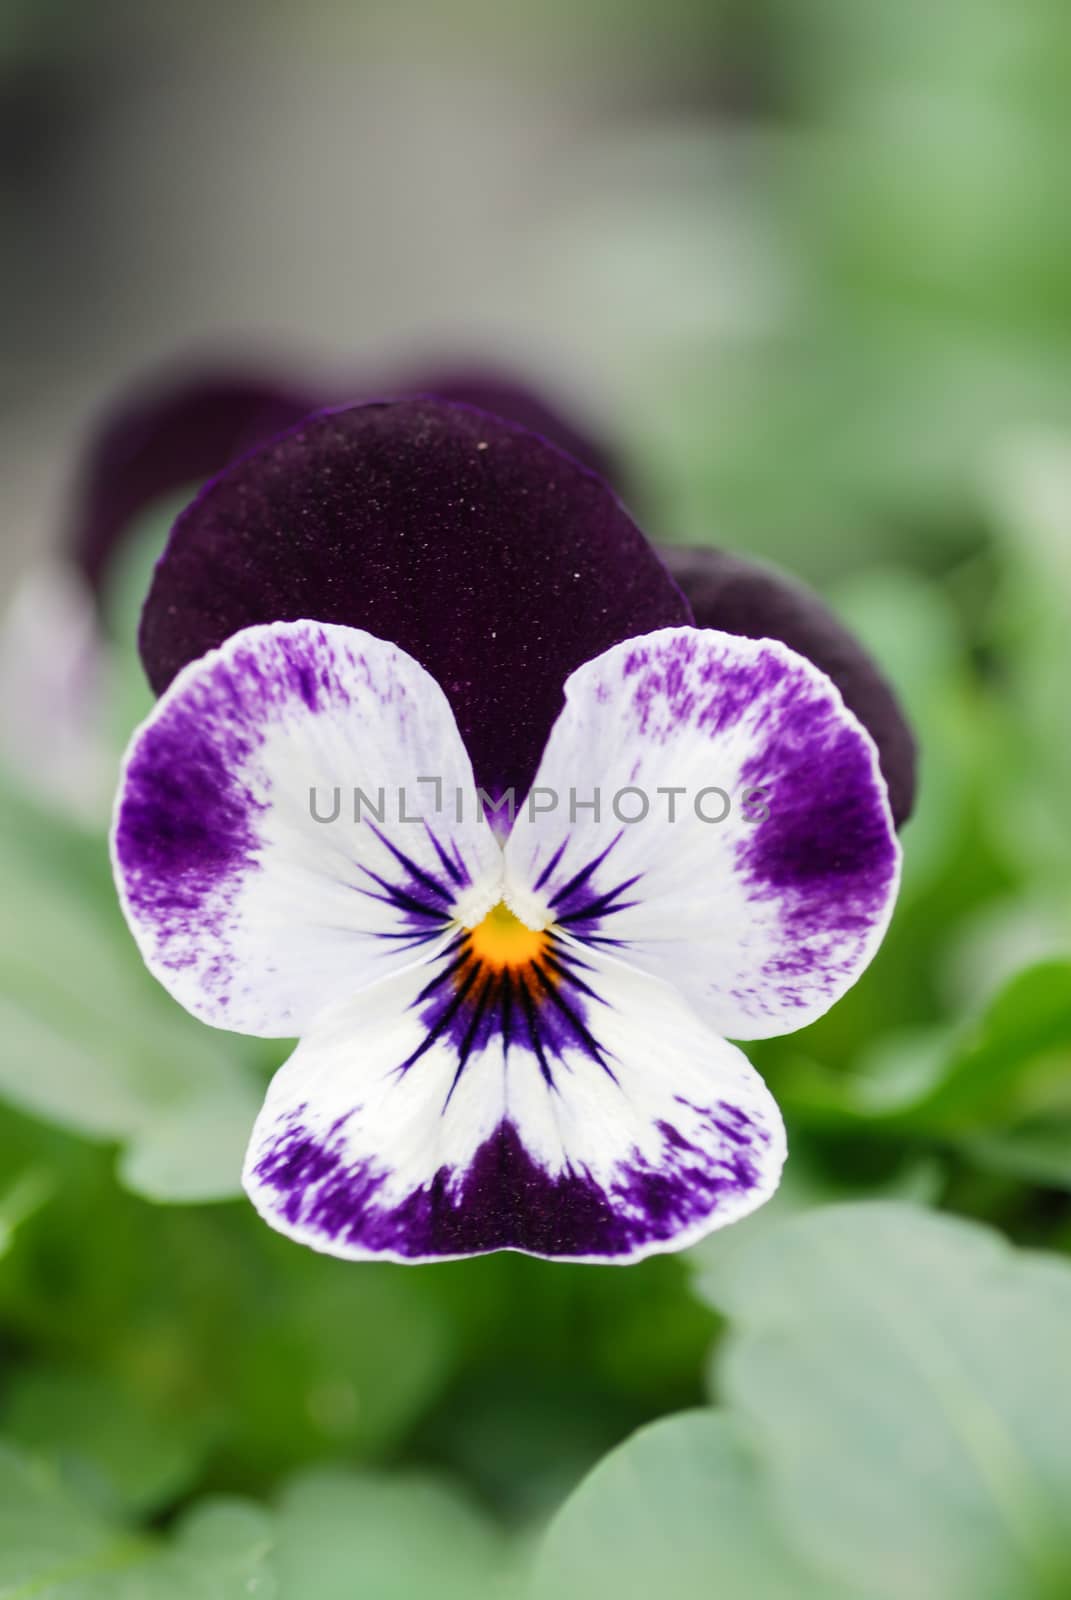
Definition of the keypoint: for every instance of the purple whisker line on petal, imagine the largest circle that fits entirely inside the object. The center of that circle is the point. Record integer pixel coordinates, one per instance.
(551, 865)
(604, 904)
(472, 1004)
(454, 868)
(440, 1022)
(567, 952)
(553, 996)
(403, 898)
(502, 1199)
(442, 976)
(408, 938)
(471, 1034)
(505, 1019)
(577, 881)
(603, 941)
(414, 869)
(567, 972)
(534, 1036)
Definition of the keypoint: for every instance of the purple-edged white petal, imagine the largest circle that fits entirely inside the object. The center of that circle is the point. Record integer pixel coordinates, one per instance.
(251, 901)
(768, 892)
(570, 1108)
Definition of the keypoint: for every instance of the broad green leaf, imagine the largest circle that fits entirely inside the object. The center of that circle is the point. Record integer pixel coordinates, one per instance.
(1030, 495)
(54, 1548)
(340, 1535)
(999, 941)
(21, 1199)
(1022, 1039)
(221, 1550)
(807, 1186)
(91, 1042)
(112, 1449)
(1011, 1064)
(902, 1376)
(680, 1511)
(324, 1357)
(1037, 1150)
(192, 1151)
(282, 1355)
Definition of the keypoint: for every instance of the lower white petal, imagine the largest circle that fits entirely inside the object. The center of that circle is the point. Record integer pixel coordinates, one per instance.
(575, 1109)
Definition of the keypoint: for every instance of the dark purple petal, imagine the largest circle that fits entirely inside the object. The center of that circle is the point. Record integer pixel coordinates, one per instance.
(493, 558)
(503, 397)
(171, 434)
(175, 430)
(758, 602)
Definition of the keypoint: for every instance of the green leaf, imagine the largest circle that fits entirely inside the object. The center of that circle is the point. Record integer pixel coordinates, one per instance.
(325, 1357)
(54, 1548)
(1011, 1065)
(678, 1510)
(902, 1376)
(193, 1151)
(112, 1448)
(222, 1550)
(21, 1199)
(1023, 1036)
(1037, 1150)
(91, 1042)
(340, 1535)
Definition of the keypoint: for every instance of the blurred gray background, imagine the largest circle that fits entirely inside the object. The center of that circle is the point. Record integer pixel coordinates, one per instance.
(367, 187)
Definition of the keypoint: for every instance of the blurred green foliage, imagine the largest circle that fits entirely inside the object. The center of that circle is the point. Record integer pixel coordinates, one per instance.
(193, 1407)
(886, 1424)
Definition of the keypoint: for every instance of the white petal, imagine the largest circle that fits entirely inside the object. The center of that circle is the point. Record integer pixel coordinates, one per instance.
(763, 920)
(587, 1115)
(254, 914)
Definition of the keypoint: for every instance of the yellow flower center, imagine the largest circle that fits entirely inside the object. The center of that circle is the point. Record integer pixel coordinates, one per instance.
(502, 940)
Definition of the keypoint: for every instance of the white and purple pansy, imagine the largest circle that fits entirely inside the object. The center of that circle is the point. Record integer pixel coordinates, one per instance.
(509, 843)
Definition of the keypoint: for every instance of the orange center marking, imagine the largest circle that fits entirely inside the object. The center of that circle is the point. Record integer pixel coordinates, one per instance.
(502, 940)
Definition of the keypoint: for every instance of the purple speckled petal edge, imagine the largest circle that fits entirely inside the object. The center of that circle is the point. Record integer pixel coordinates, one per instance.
(254, 911)
(763, 907)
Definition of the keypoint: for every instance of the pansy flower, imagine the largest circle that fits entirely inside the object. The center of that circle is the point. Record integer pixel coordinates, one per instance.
(446, 781)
